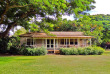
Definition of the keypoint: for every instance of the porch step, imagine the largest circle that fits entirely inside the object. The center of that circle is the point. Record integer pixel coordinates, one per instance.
(52, 51)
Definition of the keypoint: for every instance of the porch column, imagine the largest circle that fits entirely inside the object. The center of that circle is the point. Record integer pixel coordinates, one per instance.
(33, 42)
(78, 40)
(69, 41)
(54, 45)
(46, 43)
(42, 42)
(90, 41)
(83, 44)
(57, 43)
(26, 42)
(50, 42)
(66, 43)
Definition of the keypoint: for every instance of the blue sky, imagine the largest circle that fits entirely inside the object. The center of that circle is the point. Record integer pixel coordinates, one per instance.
(102, 7)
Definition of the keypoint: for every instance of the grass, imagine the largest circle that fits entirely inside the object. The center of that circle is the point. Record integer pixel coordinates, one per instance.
(56, 64)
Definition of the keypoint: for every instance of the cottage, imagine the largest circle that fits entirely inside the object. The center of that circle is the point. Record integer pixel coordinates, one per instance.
(56, 40)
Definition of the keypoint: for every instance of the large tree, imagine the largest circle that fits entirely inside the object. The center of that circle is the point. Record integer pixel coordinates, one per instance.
(19, 12)
(91, 27)
(105, 20)
(84, 24)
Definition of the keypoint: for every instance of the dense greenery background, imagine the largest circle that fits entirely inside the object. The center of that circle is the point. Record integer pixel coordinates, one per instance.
(93, 25)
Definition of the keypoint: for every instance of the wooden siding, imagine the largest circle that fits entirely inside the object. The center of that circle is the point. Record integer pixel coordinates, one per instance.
(22, 40)
(38, 42)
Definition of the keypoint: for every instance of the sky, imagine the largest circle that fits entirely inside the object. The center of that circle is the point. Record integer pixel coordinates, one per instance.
(102, 7)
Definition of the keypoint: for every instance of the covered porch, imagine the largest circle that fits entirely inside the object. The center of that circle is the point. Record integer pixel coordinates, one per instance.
(54, 44)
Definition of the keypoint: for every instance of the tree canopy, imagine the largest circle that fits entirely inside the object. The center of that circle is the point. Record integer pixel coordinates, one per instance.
(20, 31)
(105, 20)
(20, 12)
(97, 26)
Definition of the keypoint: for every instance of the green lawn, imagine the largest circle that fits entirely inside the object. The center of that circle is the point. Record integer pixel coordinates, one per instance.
(56, 64)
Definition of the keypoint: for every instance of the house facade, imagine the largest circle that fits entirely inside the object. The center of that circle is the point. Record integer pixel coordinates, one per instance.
(55, 40)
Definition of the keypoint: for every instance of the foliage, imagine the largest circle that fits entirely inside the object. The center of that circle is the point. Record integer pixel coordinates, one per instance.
(105, 20)
(97, 26)
(82, 51)
(35, 51)
(20, 12)
(14, 45)
(91, 27)
(10, 45)
(84, 24)
(17, 50)
(4, 46)
(65, 25)
(19, 32)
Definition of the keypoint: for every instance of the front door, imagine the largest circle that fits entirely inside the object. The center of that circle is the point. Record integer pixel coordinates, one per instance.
(50, 43)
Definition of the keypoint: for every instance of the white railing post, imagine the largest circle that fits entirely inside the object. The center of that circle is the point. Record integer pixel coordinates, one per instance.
(54, 45)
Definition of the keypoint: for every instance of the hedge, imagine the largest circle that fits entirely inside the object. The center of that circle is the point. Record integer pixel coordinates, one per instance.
(82, 51)
(35, 51)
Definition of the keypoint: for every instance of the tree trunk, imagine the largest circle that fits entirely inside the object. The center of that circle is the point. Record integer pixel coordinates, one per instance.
(5, 33)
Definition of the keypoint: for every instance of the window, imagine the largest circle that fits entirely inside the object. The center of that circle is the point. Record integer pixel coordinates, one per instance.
(76, 42)
(62, 41)
(85, 41)
(71, 41)
(66, 41)
(29, 42)
(50, 43)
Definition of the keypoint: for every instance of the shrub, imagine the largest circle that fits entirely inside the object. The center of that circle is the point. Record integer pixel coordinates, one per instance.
(87, 50)
(99, 50)
(35, 51)
(4, 45)
(9, 45)
(82, 51)
(69, 51)
(14, 45)
(74, 51)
